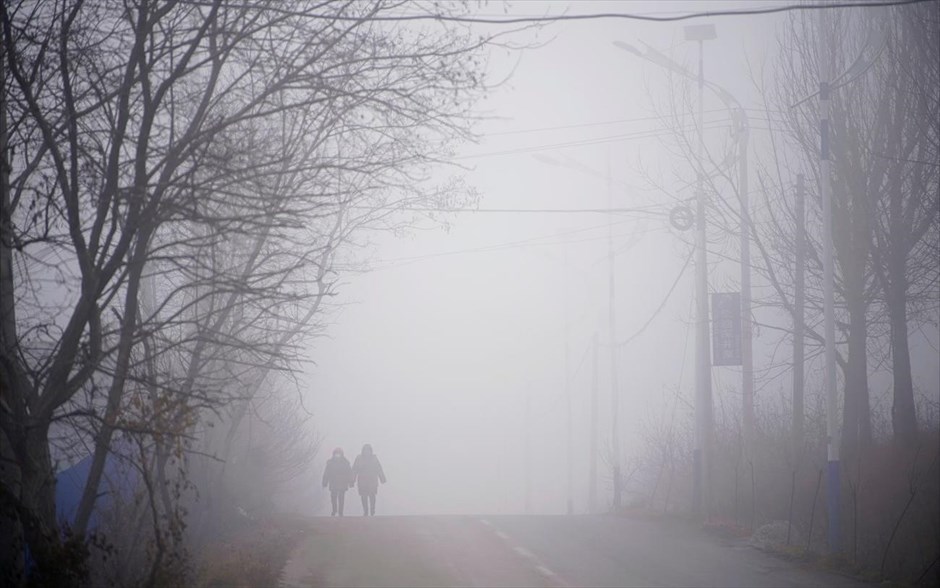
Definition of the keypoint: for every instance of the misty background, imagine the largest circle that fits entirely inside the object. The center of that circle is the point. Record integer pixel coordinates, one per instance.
(433, 354)
(236, 236)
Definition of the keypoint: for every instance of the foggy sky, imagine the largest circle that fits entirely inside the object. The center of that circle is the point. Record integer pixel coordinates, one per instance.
(431, 356)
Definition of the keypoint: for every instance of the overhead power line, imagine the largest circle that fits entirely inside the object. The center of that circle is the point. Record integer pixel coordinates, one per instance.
(538, 241)
(522, 20)
(644, 134)
(662, 304)
(649, 210)
(609, 123)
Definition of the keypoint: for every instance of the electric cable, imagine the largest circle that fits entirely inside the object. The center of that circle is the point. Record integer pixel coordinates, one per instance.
(661, 305)
(564, 17)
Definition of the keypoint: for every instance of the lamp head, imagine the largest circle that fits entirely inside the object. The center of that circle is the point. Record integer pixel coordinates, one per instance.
(627, 47)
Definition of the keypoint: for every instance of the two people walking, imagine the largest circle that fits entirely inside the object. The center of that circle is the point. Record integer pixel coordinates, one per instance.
(366, 472)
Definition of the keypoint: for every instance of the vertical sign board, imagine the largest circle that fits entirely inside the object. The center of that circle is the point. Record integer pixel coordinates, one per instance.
(726, 328)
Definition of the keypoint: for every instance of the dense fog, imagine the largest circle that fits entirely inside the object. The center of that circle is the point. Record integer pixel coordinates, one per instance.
(435, 352)
(630, 261)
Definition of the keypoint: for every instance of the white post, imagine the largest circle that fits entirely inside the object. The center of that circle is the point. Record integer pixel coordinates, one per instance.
(614, 385)
(825, 189)
(528, 453)
(592, 487)
(570, 452)
(747, 355)
(702, 348)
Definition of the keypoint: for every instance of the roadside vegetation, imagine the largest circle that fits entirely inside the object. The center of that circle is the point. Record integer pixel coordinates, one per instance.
(183, 185)
(769, 483)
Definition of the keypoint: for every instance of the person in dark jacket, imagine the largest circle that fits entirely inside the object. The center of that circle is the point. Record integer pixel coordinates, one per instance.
(338, 477)
(368, 473)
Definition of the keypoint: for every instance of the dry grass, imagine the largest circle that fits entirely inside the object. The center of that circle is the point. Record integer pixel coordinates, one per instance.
(250, 557)
(890, 511)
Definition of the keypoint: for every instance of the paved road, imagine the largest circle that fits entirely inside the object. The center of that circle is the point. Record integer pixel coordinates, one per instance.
(532, 551)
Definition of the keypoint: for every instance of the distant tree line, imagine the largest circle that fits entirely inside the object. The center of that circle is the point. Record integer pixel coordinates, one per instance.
(885, 145)
(885, 179)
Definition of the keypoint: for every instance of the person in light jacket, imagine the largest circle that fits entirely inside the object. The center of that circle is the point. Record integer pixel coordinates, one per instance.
(367, 472)
(338, 477)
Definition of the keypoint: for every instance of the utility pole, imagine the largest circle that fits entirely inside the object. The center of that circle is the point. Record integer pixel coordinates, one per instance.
(747, 353)
(570, 500)
(825, 189)
(592, 483)
(528, 453)
(612, 329)
(799, 301)
(703, 407)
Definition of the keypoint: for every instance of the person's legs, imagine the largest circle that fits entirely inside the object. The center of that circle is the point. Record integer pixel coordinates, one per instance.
(341, 499)
(365, 505)
(372, 504)
(333, 501)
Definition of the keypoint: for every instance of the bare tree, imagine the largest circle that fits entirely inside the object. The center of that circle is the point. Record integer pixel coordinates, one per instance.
(907, 212)
(885, 204)
(177, 151)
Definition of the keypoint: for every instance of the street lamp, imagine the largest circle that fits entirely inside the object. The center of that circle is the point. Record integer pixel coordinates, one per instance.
(741, 126)
(703, 392)
(703, 380)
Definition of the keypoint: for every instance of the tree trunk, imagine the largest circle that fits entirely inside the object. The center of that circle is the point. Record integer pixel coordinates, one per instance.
(11, 548)
(903, 417)
(29, 506)
(856, 424)
(12, 564)
(38, 514)
(116, 389)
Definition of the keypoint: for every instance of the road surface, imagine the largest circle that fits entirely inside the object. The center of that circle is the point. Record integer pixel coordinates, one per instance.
(532, 551)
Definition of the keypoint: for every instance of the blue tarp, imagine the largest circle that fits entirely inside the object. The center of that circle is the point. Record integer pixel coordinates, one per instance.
(70, 483)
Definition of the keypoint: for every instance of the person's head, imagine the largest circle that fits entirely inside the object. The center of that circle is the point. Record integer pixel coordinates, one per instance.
(366, 449)
(338, 452)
